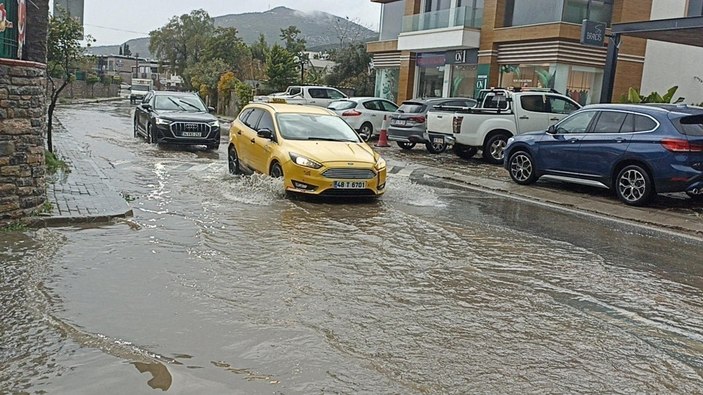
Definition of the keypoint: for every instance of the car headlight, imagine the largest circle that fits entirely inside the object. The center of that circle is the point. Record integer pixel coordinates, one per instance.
(161, 121)
(380, 163)
(214, 124)
(305, 162)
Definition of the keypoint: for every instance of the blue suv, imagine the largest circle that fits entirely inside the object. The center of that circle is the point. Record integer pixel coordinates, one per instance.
(636, 150)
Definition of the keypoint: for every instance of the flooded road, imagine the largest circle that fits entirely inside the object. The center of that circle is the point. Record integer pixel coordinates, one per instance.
(220, 284)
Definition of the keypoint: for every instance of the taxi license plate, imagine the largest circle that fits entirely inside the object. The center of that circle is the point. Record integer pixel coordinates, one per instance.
(190, 134)
(438, 140)
(349, 184)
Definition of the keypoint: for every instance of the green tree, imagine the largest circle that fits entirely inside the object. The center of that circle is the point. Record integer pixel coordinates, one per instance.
(64, 52)
(352, 70)
(634, 96)
(204, 77)
(281, 67)
(182, 40)
(226, 44)
(294, 43)
(260, 49)
(91, 80)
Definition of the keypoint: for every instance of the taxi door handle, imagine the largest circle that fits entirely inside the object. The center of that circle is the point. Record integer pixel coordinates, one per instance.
(239, 132)
(253, 140)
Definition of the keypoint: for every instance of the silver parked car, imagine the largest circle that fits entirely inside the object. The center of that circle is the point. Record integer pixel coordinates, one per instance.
(409, 124)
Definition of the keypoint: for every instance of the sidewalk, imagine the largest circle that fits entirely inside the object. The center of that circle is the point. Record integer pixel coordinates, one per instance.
(83, 195)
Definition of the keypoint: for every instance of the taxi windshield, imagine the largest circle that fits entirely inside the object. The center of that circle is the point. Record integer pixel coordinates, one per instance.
(315, 127)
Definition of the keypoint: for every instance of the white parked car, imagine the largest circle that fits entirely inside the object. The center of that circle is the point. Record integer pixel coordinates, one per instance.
(364, 114)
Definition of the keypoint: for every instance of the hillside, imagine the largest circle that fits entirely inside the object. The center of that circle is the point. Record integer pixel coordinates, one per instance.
(319, 29)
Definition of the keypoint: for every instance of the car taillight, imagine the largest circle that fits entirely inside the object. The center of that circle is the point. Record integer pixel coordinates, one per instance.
(418, 119)
(351, 113)
(456, 124)
(679, 145)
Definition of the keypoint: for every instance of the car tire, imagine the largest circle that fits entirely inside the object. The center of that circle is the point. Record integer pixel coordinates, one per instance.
(522, 168)
(405, 145)
(150, 138)
(434, 148)
(494, 147)
(233, 161)
(366, 131)
(464, 151)
(634, 185)
(276, 170)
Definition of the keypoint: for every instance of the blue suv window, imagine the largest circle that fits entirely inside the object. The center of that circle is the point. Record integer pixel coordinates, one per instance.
(692, 126)
(610, 122)
(643, 124)
(578, 123)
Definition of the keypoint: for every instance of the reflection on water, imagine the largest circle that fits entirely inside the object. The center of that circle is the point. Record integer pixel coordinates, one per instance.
(161, 377)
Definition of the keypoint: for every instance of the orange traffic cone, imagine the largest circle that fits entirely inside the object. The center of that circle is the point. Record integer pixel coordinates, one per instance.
(383, 137)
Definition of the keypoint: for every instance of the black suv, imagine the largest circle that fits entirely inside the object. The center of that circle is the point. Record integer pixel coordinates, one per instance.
(176, 118)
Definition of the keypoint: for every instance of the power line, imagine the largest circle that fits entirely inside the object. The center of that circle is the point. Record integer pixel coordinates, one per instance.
(116, 29)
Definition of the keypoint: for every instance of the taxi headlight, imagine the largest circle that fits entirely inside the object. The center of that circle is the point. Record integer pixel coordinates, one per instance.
(305, 162)
(161, 121)
(380, 164)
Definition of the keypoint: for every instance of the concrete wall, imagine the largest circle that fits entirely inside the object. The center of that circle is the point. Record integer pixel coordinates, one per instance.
(22, 125)
(669, 64)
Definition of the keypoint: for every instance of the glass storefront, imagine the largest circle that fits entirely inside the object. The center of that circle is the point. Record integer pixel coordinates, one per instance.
(581, 83)
(463, 80)
(430, 81)
(387, 83)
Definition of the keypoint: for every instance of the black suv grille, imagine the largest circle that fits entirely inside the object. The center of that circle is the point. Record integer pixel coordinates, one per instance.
(190, 129)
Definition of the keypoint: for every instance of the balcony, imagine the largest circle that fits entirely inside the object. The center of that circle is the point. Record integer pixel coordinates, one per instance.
(454, 28)
(465, 17)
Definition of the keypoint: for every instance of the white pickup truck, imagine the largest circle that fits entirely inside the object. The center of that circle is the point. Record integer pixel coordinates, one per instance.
(320, 96)
(501, 115)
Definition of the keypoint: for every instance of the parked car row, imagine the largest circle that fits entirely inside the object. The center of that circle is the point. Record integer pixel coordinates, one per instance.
(635, 150)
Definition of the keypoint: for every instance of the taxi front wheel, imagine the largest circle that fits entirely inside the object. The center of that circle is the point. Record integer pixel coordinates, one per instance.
(276, 170)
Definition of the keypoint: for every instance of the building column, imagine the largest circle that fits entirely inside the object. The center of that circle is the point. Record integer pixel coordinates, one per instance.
(406, 82)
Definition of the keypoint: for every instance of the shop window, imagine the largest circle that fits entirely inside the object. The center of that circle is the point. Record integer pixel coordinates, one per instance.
(463, 80)
(430, 81)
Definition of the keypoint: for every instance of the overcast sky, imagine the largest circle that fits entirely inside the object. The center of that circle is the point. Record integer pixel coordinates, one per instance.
(114, 22)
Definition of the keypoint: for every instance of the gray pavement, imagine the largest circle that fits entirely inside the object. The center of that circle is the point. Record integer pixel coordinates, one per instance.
(83, 194)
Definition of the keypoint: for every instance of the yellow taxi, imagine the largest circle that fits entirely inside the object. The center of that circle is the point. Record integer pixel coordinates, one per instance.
(311, 148)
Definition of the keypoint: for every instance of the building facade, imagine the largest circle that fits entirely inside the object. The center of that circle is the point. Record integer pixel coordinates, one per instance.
(442, 48)
(658, 75)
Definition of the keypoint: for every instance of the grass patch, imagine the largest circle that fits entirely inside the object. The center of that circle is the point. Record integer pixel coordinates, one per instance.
(54, 164)
(14, 227)
(45, 208)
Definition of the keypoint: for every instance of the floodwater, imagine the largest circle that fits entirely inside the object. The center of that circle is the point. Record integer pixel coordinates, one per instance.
(221, 284)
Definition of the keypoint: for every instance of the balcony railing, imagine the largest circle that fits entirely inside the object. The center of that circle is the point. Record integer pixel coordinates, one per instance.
(453, 17)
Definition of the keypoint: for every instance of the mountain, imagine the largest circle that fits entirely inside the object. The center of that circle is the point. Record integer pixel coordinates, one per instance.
(319, 29)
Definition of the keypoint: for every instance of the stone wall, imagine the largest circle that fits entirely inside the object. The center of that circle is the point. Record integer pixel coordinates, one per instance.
(81, 90)
(22, 125)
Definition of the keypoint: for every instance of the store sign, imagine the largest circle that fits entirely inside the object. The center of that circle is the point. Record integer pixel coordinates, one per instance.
(592, 33)
(463, 56)
(430, 59)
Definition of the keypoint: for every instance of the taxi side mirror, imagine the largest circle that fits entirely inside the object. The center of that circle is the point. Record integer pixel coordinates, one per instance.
(265, 133)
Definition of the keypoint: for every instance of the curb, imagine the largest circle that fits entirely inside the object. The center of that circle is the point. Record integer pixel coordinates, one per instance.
(61, 221)
(682, 224)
